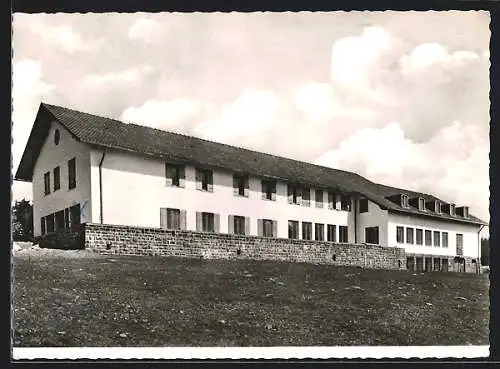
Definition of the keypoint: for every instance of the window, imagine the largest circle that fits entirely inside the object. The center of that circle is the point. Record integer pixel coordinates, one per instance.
(437, 239)
(175, 175)
(267, 227)
(452, 209)
(204, 180)
(318, 198)
(42, 225)
(319, 232)
(331, 233)
(59, 220)
(437, 207)
(437, 264)
(332, 200)
(293, 194)
(419, 236)
(49, 219)
(293, 229)
(269, 190)
(239, 224)
(466, 212)
(428, 238)
(306, 196)
(240, 185)
(409, 235)
(173, 219)
(57, 137)
(71, 173)
(445, 239)
(74, 214)
(343, 234)
(46, 180)
(371, 235)
(421, 204)
(345, 202)
(460, 244)
(207, 222)
(306, 231)
(404, 201)
(363, 206)
(57, 178)
(400, 235)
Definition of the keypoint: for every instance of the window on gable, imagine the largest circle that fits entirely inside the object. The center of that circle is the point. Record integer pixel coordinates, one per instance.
(371, 235)
(268, 190)
(363, 206)
(405, 201)
(428, 238)
(419, 233)
(343, 234)
(293, 229)
(175, 175)
(319, 232)
(57, 178)
(46, 181)
(318, 198)
(71, 173)
(409, 235)
(437, 238)
(421, 204)
(240, 185)
(400, 234)
(331, 233)
(306, 231)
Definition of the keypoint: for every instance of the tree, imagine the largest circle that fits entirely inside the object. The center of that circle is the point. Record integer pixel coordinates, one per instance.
(485, 251)
(22, 221)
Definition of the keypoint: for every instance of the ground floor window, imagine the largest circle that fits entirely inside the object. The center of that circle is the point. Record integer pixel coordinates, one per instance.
(437, 238)
(428, 238)
(42, 225)
(319, 232)
(419, 263)
(400, 234)
(343, 234)
(409, 235)
(239, 224)
(444, 265)
(267, 226)
(50, 220)
(410, 263)
(419, 236)
(437, 264)
(74, 212)
(207, 222)
(371, 235)
(293, 229)
(428, 264)
(331, 233)
(306, 231)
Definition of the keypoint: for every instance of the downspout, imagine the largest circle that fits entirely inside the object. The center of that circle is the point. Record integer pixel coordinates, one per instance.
(479, 263)
(100, 185)
(355, 221)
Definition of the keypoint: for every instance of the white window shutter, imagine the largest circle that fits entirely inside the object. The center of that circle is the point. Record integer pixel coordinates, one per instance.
(247, 226)
(260, 227)
(199, 225)
(217, 223)
(210, 185)
(235, 185)
(230, 224)
(168, 175)
(275, 228)
(182, 176)
(290, 194)
(183, 219)
(163, 218)
(273, 194)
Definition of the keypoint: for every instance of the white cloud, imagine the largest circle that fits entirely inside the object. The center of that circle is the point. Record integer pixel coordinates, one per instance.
(453, 165)
(28, 90)
(126, 76)
(143, 29)
(63, 36)
(174, 114)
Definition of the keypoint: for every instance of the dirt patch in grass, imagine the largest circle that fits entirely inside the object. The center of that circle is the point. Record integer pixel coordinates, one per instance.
(94, 300)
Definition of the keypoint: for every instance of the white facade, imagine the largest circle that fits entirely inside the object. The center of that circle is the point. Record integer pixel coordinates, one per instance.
(134, 189)
(471, 241)
(52, 156)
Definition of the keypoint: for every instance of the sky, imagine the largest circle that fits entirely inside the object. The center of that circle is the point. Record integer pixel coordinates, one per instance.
(402, 98)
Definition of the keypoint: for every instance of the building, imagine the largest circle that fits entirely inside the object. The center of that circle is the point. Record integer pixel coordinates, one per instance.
(76, 161)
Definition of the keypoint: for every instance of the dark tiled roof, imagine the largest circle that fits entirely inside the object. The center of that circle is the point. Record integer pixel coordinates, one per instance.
(111, 133)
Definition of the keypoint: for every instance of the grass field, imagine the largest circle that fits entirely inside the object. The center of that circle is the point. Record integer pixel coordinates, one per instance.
(151, 301)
